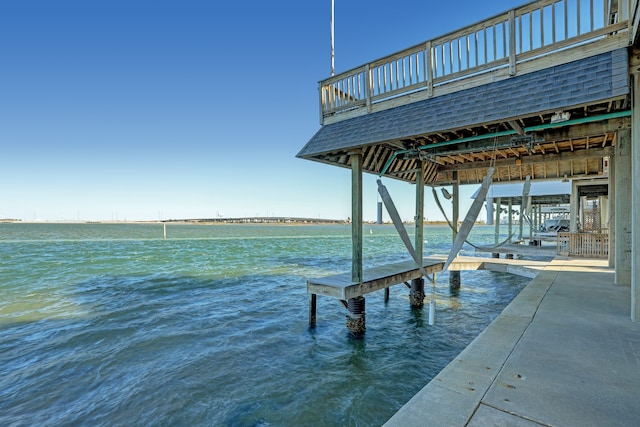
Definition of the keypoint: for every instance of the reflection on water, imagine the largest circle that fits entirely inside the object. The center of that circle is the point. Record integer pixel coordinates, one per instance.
(112, 325)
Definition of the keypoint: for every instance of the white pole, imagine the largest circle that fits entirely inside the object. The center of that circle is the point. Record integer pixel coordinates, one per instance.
(432, 312)
(164, 230)
(332, 38)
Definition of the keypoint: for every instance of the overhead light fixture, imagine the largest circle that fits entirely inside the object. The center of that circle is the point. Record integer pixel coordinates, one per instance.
(560, 116)
(566, 179)
(445, 193)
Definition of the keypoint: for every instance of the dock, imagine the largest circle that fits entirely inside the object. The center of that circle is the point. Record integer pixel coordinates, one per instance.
(564, 352)
(343, 287)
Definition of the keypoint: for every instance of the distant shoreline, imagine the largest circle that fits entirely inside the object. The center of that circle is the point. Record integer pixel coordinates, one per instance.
(218, 221)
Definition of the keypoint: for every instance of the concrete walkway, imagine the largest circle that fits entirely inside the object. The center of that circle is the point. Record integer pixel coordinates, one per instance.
(563, 353)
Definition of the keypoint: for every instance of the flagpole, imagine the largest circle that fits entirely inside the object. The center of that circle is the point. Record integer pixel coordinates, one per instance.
(333, 55)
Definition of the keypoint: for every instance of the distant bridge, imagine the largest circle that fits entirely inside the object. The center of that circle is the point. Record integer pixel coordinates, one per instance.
(262, 220)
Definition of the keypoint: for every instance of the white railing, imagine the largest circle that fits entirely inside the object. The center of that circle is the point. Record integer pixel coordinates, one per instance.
(504, 41)
(588, 245)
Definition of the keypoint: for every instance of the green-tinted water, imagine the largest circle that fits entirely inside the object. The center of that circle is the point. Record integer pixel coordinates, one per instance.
(112, 325)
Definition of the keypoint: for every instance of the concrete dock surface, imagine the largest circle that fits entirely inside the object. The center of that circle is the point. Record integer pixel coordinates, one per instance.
(563, 353)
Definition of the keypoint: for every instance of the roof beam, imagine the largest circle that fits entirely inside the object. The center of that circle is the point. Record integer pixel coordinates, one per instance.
(537, 159)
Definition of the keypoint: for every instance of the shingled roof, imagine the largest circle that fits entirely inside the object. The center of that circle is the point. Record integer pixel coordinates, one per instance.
(587, 81)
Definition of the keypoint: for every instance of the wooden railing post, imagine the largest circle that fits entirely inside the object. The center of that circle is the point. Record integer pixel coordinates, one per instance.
(322, 102)
(368, 86)
(512, 42)
(428, 64)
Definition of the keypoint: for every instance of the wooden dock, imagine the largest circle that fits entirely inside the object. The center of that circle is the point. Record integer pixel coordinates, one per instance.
(342, 287)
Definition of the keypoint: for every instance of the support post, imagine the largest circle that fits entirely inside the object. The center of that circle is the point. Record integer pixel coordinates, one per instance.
(419, 218)
(635, 201)
(416, 294)
(611, 221)
(454, 276)
(356, 317)
(356, 216)
(510, 218)
(529, 213)
(497, 223)
(510, 222)
(312, 311)
(355, 306)
(489, 205)
(623, 209)
(521, 221)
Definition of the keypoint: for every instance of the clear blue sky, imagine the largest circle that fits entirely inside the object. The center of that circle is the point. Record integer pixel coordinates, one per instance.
(160, 109)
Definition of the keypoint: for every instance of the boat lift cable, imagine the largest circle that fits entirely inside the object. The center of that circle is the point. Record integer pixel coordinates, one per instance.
(470, 218)
(402, 231)
(435, 196)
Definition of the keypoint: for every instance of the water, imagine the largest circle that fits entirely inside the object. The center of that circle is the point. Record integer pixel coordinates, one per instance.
(109, 324)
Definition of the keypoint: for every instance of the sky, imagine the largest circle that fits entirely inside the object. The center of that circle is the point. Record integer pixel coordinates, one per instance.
(158, 109)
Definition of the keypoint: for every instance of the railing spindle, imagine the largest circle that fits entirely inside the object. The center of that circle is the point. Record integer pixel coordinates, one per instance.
(541, 26)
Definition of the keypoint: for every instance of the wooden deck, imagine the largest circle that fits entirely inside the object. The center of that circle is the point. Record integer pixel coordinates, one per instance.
(341, 286)
(374, 279)
(377, 278)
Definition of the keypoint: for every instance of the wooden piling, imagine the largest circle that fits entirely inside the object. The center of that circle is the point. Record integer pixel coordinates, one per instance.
(356, 216)
(312, 310)
(497, 225)
(454, 276)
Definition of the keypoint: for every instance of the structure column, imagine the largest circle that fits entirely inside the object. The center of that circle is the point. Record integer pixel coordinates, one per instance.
(623, 209)
(497, 220)
(521, 222)
(355, 306)
(510, 222)
(489, 206)
(635, 201)
(530, 215)
(574, 208)
(416, 293)
(356, 216)
(454, 276)
(611, 223)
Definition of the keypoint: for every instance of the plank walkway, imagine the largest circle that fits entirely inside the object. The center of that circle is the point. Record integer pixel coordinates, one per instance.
(564, 352)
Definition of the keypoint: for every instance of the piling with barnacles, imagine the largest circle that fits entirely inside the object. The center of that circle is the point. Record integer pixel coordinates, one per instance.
(356, 322)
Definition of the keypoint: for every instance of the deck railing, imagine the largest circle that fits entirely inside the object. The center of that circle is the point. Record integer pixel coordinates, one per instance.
(588, 245)
(504, 41)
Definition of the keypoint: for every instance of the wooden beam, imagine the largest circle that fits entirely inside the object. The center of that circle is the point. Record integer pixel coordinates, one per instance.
(536, 159)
